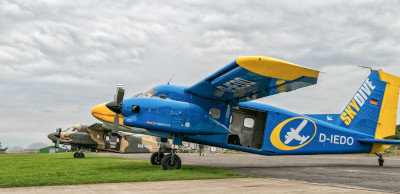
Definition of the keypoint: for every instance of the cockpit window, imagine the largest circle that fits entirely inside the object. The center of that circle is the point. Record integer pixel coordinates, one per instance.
(147, 94)
(70, 129)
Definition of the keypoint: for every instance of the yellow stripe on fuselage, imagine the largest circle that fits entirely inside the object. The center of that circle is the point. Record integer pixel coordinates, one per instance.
(388, 115)
(275, 68)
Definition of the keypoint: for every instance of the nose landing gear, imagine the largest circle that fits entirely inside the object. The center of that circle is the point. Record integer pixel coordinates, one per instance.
(170, 161)
(156, 157)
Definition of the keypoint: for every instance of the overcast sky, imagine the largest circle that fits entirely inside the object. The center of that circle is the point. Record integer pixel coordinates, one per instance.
(58, 59)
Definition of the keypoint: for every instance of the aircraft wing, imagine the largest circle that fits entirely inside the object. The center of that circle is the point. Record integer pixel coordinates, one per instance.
(250, 78)
(381, 141)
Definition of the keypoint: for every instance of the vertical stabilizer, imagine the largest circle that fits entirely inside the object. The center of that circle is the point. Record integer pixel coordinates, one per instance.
(373, 109)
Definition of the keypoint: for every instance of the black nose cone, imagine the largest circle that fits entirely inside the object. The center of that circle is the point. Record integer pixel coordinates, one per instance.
(113, 106)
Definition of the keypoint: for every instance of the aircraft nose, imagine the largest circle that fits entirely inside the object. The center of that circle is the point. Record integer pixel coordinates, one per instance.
(52, 136)
(114, 107)
(103, 113)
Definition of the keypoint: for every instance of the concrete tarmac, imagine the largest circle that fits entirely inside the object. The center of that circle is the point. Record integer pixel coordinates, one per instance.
(350, 170)
(239, 185)
(280, 174)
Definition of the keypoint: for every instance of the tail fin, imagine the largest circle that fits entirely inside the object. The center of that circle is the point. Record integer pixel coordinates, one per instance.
(373, 109)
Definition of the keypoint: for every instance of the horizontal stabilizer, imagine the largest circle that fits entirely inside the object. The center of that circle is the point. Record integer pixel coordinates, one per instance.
(380, 141)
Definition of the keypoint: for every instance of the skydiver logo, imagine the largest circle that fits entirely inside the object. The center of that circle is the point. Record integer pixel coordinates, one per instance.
(293, 133)
(357, 102)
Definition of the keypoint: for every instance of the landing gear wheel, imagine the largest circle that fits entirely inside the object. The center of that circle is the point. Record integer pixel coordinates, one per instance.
(79, 155)
(155, 160)
(381, 161)
(166, 162)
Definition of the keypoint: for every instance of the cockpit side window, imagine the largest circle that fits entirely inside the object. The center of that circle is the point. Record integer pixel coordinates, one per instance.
(70, 129)
(147, 94)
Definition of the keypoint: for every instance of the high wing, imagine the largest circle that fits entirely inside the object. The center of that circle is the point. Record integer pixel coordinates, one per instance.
(250, 78)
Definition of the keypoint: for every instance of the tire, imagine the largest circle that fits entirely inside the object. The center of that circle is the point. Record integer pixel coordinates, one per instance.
(75, 154)
(166, 162)
(381, 161)
(154, 158)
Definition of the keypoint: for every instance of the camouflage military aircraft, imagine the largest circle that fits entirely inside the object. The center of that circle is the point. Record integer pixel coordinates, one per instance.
(96, 136)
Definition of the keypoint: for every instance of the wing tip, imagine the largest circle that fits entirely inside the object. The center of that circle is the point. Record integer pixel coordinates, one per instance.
(271, 67)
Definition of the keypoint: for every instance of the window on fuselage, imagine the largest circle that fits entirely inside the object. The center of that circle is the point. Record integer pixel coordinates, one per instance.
(70, 129)
(248, 122)
(147, 94)
(215, 112)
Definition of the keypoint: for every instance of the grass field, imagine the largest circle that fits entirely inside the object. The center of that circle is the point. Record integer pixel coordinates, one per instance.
(62, 169)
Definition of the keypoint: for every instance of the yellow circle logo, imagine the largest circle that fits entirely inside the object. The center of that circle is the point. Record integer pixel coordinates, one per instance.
(294, 135)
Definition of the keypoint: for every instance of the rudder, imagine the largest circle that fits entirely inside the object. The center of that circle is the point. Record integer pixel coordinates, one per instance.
(373, 109)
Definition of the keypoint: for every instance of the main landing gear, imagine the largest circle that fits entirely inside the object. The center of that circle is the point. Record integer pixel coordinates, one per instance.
(380, 159)
(79, 154)
(168, 162)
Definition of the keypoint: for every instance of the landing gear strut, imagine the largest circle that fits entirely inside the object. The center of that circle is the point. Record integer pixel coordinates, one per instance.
(79, 154)
(380, 159)
(172, 161)
(156, 157)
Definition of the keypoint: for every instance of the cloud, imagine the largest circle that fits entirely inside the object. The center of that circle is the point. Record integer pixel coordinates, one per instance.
(58, 59)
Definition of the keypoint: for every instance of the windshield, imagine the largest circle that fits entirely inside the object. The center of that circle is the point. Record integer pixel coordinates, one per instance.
(70, 129)
(147, 94)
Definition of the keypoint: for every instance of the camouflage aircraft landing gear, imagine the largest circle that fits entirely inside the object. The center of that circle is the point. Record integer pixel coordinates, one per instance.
(380, 159)
(79, 154)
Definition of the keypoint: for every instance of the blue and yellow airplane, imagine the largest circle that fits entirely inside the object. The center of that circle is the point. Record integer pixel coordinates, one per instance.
(217, 111)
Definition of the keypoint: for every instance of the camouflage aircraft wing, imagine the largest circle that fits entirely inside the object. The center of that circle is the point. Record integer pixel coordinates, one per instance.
(250, 78)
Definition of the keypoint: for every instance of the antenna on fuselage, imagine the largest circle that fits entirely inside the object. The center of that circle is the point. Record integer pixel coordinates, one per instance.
(171, 78)
(367, 68)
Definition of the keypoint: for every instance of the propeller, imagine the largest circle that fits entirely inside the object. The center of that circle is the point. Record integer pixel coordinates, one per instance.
(116, 106)
(57, 144)
(58, 135)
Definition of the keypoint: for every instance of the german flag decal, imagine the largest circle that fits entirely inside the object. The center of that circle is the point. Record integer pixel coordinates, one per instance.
(374, 102)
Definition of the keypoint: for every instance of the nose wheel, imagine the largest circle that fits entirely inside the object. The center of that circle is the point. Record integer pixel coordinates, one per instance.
(380, 159)
(171, 161)
(156, 158)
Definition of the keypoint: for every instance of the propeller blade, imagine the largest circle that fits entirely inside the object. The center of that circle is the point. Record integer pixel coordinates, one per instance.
(120, 94)
(116, 106)
(57, 144)
(114, 132)
(58, 132)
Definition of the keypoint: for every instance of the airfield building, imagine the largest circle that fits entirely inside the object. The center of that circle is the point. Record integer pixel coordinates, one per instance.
(15, 150)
